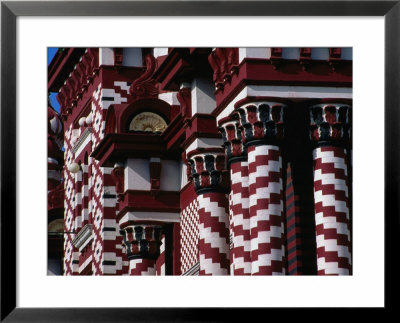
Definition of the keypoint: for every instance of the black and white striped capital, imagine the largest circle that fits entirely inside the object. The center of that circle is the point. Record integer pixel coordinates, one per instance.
(262, 122)
(142, 241)
(330, 124)
(232, 135)
(208, 170)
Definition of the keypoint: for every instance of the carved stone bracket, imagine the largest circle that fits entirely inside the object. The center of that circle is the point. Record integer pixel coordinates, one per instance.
(335, 55)
(305, 57)
(276, 57)
(118, 177)
(184, 97)
(118, 57)
(155, 175)
(224, 62)
(144, 86)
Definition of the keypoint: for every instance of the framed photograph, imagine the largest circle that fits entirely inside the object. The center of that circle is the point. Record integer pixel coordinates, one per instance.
(179, 133)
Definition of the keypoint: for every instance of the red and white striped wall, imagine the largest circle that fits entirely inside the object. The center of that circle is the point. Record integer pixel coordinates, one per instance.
(91, 196)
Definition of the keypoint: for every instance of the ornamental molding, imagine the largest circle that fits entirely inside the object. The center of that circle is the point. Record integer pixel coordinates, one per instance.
(78, 81)
(82, 139)
(83, 237)
(224, 62)
(148, 122)
(144, 86)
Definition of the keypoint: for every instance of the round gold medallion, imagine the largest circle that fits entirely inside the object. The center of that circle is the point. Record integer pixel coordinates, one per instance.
(148, 121)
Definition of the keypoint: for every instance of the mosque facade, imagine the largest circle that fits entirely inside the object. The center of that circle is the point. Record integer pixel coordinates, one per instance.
(201, 161)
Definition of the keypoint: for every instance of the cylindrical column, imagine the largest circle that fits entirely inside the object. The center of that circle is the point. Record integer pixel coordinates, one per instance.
(262, 124)
(142, 243)
(239, 217)
(330, 131)
(210, 181)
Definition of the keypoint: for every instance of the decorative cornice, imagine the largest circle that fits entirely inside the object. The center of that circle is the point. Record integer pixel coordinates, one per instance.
(116, 147)
(257, 71)
(78, 81)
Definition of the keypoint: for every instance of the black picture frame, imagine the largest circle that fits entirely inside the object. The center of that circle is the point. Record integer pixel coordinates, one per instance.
(10, 10)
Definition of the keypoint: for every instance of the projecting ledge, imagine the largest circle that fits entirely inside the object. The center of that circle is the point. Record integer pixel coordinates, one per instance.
(116, 147)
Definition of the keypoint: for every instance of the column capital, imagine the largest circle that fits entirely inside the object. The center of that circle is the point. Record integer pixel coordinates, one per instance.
(208, 170)
(329, 123)
(142, 241)
(262, 122)
(231, 132)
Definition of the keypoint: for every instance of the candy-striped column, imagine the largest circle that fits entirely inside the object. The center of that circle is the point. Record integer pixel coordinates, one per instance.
(330, 131)
(262, 124)
(142, 244)
(240, 254)
(210, 181)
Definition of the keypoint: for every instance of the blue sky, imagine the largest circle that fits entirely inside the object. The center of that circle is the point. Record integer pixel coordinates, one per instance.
(51, 51)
